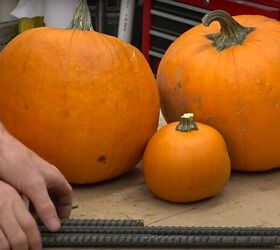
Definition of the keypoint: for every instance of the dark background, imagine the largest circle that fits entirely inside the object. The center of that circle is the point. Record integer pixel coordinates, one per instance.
(112, 19)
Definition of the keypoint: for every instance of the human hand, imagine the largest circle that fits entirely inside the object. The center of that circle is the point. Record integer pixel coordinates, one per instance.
(41, 182)
(18, 229)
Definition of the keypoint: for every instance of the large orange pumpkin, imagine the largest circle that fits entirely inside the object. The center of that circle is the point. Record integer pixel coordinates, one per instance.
(186, 162)
(85, 101)
(231, 80)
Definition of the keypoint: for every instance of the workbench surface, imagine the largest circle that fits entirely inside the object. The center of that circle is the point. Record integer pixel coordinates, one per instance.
(247, 200)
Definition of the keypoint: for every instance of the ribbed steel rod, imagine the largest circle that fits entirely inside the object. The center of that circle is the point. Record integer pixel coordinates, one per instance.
(175, 241)
(79, 223)
(242, 231)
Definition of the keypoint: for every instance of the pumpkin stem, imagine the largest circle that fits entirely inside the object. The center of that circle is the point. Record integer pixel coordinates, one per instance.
(231, 33)
(82, 17)
(187, 123)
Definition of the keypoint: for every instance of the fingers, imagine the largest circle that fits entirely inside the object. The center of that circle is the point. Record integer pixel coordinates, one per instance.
(12, 230)
(62, 198)
(64, 208)
(18, 229)
(59, 189)
(4, 244)
(29, 226)
(37, 192)
(34, 180)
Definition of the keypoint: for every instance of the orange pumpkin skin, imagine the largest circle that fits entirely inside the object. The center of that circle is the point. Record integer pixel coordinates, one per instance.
(236, 91)
(186, 166)
(86, 102)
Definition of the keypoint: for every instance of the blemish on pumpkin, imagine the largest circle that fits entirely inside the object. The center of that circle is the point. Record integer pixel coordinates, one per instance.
(133, 56)
(211, 121)
(179, 74)
(240, 110)
(178, 85)
(244, 129)
(102, 159)
(26, 106)
(197, 100)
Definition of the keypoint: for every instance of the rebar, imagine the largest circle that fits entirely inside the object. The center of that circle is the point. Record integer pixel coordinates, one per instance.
(229, 231)
(133, 233)
(80, 223)
(161, 241)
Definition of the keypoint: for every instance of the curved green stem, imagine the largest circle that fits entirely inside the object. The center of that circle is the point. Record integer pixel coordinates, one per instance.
(187, 123)
(231, 33)
(82, 17)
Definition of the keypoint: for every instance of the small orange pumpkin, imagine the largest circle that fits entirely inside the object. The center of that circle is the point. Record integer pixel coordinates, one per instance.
(231, 80)
(186, 162)
(84, 101)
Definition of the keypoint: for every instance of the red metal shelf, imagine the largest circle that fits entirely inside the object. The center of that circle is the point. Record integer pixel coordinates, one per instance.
(237, 7)
(183, 14)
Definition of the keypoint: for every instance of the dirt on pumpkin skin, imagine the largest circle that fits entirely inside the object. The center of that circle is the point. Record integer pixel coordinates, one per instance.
(102, 159)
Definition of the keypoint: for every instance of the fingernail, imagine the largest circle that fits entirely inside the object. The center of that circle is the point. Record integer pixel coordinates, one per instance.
(53, 224)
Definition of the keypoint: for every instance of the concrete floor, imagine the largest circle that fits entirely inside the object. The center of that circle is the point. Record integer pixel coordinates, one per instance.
(247, 200)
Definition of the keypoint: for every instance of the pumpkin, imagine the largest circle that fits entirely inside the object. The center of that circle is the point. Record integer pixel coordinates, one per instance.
(84, 101)
(186, 161)
(231, 80)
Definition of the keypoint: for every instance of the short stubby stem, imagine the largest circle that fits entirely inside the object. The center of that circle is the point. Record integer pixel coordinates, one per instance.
(187, 123)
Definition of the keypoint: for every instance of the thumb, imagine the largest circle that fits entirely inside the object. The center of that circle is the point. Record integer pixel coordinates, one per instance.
(37, 193)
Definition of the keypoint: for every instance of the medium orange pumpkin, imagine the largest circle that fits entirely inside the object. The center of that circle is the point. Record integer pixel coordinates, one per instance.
(85, 101)
(186, 162)
(231, 80)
